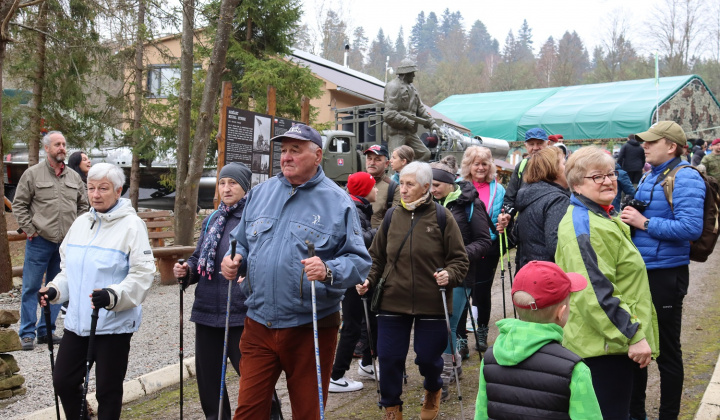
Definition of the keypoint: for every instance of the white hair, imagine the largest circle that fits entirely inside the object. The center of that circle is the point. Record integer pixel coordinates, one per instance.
(46, 137)
(107, 170)
(421, 170)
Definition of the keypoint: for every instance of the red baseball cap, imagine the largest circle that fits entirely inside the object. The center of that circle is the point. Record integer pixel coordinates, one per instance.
(547, 283)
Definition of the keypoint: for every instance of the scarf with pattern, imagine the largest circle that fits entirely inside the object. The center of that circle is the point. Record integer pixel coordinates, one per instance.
(206, 262)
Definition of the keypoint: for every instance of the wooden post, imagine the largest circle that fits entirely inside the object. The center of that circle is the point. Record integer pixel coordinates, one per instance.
(222, 133)
(271, 101)
(305, 110)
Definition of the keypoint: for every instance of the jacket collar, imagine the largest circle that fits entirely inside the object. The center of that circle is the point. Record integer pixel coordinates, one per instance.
(316, 179)
(580, 200)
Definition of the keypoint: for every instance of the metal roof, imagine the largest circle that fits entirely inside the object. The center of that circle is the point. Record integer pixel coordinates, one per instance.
(354, 82)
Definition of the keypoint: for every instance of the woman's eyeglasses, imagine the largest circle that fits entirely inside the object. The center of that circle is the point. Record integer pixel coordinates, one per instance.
(599, 179)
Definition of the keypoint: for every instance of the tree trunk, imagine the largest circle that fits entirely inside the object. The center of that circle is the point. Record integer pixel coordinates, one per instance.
(38, 85)
(7, 10)
(185, 94)
(5, 263)
(134, 191)
(187, 193)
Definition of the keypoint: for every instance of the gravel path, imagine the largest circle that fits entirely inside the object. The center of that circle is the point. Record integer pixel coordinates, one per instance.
(153, 347)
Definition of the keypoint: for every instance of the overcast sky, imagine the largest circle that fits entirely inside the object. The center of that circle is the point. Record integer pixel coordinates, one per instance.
(589, 18)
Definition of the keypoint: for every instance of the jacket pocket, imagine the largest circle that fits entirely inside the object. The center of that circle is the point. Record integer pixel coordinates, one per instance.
(258, 233)
(301, 236)
(44, 190)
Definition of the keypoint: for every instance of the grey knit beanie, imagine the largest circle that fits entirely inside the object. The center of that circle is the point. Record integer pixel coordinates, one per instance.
(239, 172)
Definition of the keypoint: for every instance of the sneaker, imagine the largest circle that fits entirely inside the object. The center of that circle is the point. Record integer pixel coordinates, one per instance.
(42, 339)
(344, 385)
(366, 372)
(28, 343)
(63, 312)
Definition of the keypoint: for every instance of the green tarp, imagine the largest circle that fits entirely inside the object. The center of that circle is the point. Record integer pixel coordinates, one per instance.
(605, 110)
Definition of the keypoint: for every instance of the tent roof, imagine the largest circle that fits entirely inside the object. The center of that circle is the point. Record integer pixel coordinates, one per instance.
(604, 110)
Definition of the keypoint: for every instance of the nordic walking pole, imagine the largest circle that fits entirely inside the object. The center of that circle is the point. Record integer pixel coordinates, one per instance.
(181, 354)
(370, 342)
(311, 253)
(452, 345)
(510, 271)
(89, 361)
(48, 323)
(502, 273)
(233, 245)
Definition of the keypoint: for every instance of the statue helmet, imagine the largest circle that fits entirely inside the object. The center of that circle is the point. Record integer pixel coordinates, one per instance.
(406, 66)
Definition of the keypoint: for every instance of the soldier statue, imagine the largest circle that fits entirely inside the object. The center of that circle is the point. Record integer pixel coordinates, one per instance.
(404, 111)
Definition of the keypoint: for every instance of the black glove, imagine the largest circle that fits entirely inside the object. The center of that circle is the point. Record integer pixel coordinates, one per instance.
(101, 298)
(51, 294)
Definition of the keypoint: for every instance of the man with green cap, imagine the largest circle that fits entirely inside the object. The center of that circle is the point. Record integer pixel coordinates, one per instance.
(662, 234)
(401, 97)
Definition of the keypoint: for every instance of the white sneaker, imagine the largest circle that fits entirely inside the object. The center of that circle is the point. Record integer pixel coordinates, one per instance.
(344, 385)
(366, 372)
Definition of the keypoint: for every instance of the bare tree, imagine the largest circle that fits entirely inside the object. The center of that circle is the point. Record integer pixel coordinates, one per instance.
(38, 85)
(677, 28)
(134, 190)
(546, 62)
(187, 189)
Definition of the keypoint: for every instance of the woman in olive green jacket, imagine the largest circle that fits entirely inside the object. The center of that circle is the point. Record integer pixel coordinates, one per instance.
(612, 323)
(407, 252)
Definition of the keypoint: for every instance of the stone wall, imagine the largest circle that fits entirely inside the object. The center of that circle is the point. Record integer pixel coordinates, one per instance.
(11, 384)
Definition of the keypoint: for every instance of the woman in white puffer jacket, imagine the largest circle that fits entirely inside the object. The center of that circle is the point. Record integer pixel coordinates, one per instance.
(106, 262)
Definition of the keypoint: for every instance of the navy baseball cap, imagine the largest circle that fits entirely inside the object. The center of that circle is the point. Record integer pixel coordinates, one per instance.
(378, 149)
(536, 133)
(301, 132)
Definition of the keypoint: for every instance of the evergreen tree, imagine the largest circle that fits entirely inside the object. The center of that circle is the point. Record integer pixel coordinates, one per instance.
(358, 49)
(480, 44)
(427, 52)
(416, 33)
(334, 38)
(400, 51)
(573, 60)
(524, 48)
(380, 49)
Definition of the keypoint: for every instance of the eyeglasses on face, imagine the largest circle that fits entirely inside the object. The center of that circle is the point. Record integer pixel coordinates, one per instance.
(599, 179)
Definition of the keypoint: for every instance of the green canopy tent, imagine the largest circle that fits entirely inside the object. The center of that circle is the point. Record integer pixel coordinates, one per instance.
(604, 110)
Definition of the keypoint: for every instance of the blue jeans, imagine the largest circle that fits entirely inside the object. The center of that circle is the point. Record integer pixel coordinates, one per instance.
(41, 256)
(459, 301)
(392, 347)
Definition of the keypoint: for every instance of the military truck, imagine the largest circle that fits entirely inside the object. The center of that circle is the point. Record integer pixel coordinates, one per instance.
(360, 127)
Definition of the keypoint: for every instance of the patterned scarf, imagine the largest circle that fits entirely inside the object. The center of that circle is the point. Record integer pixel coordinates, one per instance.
(413, 205)
(206, 262)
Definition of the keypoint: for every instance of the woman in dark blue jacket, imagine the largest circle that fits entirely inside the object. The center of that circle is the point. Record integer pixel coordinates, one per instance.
(208, 312)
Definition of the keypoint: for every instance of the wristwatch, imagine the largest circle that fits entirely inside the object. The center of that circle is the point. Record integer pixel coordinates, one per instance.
(328, 275)
(646, 224)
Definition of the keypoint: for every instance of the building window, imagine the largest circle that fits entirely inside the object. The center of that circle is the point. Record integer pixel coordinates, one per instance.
(162, 80)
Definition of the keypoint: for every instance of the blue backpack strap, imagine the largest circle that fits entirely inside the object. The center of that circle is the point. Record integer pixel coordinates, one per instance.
(469, 210)
(208, 222)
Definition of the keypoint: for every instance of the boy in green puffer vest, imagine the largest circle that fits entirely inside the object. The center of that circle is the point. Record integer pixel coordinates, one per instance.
(549, 380)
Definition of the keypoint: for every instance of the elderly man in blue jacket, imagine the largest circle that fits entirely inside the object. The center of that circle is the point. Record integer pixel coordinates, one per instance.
(281, 216)
(662, 235)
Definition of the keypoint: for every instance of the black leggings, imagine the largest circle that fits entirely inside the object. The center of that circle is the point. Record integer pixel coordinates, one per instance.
(353, 314)
(209, 343)
(482, 295)
(111, 360)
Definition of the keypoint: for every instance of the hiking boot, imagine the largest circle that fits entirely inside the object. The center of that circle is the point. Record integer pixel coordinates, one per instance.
(393, 413)
(366, 372)
(28, 343)
(447, 375)
(445, 393)
(462, 346)
(482, 335)
(431, 405)
(42, 339)
(344, 385)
